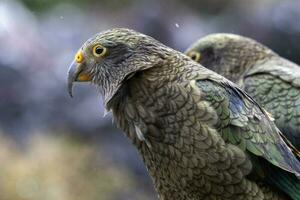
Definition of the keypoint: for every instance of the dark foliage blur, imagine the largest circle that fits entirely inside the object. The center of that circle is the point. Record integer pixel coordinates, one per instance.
(38, 39)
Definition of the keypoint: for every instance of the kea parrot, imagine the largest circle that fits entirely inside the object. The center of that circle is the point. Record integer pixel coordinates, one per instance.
(199, 135)
(271, 80)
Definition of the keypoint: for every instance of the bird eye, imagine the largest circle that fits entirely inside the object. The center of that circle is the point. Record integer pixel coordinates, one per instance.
(99, 50)
(195, 56)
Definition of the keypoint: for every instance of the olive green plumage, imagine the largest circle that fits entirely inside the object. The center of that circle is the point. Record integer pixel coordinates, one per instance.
(271, 80)
(200, 136)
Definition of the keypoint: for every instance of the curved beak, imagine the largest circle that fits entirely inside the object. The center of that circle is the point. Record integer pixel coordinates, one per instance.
(76, 74)
(72, 77)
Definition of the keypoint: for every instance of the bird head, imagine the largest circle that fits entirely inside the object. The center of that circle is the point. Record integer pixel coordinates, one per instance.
(227, 54)
(111, 57)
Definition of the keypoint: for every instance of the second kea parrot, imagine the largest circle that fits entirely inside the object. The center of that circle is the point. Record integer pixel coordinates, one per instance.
(271, 80)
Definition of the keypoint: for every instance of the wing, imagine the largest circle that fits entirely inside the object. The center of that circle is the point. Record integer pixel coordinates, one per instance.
(244, 123)
(278, 90)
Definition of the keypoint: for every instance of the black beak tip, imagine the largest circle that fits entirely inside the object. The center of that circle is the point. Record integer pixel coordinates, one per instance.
(70, 89)
(70, 94)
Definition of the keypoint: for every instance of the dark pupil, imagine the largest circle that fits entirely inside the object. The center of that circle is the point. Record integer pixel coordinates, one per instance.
(99, 50)
(194, 57)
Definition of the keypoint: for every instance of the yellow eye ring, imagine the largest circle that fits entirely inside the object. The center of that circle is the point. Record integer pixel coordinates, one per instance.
(195, 56)
(79, 57)
(99, 50)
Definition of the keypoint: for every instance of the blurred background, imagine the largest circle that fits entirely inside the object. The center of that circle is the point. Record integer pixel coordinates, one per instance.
(53, 147)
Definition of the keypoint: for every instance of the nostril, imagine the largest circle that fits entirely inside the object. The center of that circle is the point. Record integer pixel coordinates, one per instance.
(79, 57)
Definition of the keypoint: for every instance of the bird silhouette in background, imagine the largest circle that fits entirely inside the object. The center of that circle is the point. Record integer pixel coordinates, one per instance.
(271, 80)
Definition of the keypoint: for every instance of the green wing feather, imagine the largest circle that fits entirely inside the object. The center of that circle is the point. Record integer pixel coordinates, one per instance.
(244, 123)
(277, 89)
